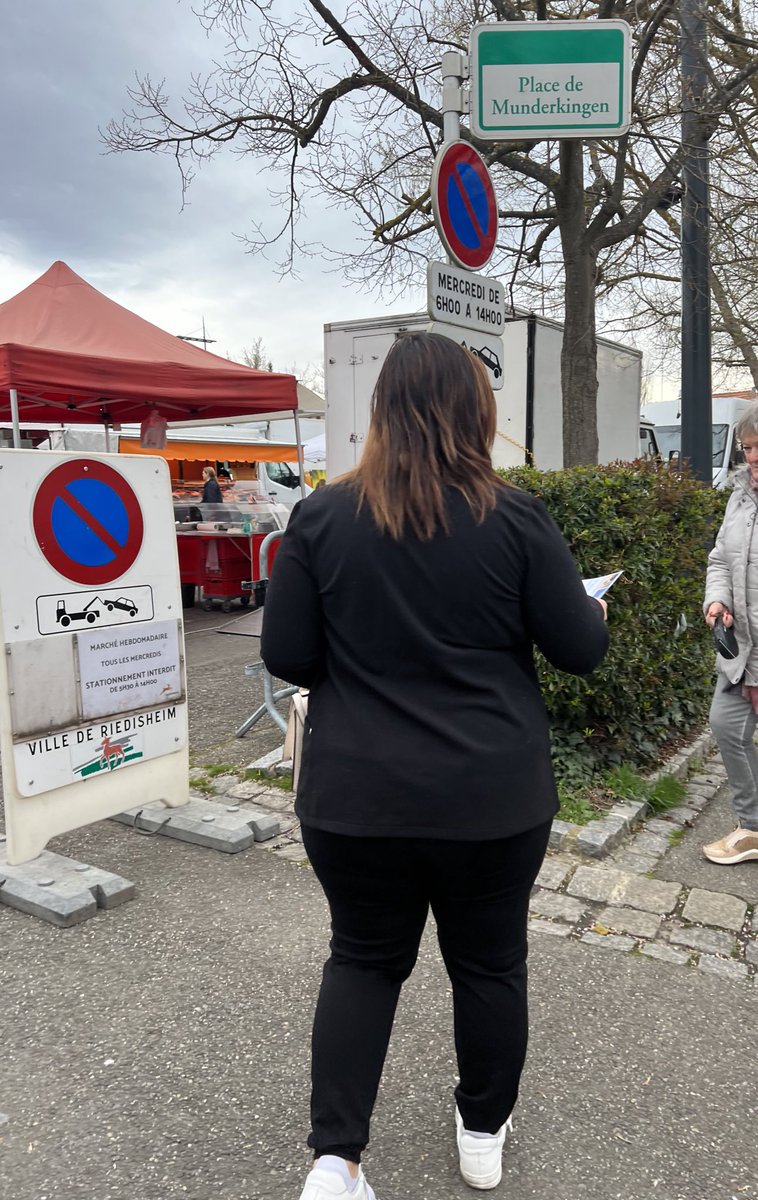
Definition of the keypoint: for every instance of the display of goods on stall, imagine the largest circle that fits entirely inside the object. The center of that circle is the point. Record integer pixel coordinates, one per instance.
(219, 549)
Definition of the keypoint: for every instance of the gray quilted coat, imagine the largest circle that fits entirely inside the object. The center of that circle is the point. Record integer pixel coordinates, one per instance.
(732, 578)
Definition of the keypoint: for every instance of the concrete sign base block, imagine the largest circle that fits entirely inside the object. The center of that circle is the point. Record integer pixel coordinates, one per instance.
(224, 827)
(60, 890)
(269, 762)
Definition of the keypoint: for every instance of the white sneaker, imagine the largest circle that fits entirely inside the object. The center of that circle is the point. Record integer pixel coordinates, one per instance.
(481, 1158)
(327, 1182)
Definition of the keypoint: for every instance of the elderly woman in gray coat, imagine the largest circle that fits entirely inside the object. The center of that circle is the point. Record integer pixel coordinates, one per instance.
(731, 591)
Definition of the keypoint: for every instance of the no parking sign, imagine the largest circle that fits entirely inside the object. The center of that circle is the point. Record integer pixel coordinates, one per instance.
(88, 521)
(465, 209)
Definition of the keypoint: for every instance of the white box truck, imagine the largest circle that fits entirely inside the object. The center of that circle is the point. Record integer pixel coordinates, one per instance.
(530, 420)
(726, 410)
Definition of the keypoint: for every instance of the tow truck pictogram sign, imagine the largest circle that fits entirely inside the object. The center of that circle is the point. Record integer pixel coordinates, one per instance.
(60, 612)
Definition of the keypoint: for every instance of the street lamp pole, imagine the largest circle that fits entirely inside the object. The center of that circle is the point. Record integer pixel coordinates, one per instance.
(697, 438)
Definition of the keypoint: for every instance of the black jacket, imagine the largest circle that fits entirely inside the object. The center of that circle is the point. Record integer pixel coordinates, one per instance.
(211, 492)
(425, 714)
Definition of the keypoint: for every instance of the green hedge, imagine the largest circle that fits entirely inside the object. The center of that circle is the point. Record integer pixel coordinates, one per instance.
(655, 684)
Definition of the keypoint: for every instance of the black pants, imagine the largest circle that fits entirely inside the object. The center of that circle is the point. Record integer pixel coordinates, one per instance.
(379, 892)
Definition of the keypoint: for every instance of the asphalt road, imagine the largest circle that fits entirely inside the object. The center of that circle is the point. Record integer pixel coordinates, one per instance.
(160, 1050)
(220, 694)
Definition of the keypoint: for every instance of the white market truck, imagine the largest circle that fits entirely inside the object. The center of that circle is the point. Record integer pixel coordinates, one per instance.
(726, 410)
(529, 404)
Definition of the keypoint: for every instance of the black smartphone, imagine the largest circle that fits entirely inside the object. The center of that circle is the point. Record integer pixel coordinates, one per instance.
(724, 639)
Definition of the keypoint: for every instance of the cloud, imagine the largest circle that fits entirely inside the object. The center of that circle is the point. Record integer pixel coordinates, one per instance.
(118, 220)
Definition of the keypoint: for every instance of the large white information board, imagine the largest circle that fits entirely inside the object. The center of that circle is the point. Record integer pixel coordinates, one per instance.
(93, 707)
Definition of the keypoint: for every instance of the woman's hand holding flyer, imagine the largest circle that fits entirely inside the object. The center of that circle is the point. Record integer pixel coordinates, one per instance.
(599, 586)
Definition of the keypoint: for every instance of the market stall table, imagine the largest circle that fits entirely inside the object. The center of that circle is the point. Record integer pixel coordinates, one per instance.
(219, 561)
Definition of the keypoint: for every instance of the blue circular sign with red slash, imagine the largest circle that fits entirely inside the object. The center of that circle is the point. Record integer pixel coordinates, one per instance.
(87, 521)
(463, 200)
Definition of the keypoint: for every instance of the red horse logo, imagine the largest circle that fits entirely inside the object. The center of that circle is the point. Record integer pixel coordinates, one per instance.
(112, 753)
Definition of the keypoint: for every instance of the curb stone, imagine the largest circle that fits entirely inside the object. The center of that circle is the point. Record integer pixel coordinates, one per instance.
(625, 911)
(670, 922)
(599, 838)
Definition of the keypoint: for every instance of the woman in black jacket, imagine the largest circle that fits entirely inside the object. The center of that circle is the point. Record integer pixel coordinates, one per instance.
(211, 490)
(408, 597)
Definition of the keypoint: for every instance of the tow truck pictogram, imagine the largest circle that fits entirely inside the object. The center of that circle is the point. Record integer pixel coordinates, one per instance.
(88, 613)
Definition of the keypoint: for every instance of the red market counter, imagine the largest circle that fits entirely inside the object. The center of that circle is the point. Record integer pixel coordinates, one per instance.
(219, 561)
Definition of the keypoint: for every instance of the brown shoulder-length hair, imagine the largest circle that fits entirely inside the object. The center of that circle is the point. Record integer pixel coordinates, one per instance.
(433, 423)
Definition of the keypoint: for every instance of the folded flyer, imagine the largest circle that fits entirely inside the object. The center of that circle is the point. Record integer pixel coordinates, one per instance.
(599, 586)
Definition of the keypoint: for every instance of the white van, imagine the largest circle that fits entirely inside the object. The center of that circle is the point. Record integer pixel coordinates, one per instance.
(726, 410)
(649, 447)
(281, 482)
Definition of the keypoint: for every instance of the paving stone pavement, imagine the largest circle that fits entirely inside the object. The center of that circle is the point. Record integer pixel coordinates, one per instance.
(636, 904)
(625, 902)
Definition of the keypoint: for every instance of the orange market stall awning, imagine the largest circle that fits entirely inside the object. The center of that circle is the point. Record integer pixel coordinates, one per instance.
(231, 452)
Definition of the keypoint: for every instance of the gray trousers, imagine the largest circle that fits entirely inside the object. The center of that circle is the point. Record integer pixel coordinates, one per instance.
(733, 723)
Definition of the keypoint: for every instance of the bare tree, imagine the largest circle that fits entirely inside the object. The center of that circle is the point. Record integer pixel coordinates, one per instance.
(347, 107)
(312, 374)
(255, 356)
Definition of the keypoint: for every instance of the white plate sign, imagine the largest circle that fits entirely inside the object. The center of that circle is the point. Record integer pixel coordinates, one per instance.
(126, 668)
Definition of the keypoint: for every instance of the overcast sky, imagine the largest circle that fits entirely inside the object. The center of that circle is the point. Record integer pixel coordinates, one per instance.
(117, 219)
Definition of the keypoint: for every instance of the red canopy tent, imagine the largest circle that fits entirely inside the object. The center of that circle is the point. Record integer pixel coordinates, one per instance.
(70, 355)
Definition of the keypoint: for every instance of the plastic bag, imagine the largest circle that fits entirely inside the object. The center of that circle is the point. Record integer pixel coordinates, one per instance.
(152, 432)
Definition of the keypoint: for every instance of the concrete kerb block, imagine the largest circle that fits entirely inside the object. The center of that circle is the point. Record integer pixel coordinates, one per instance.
(269, 762)
(629, 811)
(726, 968)
(719, 909)
(650, 895)
(665, 953)
(679, 765)
(683, 814)
(707, 941)
(223, 827)
(537, 925)
(60, 890)
(598, 838)
(627, 859)
(561, 834)
(557, 906)
(222, 783)
(608, 941)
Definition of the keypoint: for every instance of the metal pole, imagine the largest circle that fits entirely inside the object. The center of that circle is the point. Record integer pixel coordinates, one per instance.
(14, 419)
(453, 74)
(263, 550)
(300, 461)
(697, 435)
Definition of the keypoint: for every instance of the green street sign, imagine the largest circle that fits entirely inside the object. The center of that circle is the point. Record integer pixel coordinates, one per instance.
(550, 79)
